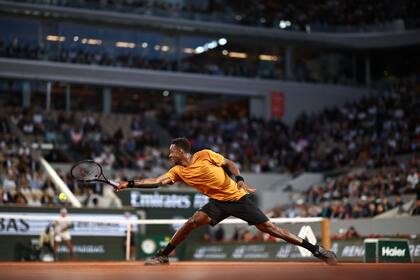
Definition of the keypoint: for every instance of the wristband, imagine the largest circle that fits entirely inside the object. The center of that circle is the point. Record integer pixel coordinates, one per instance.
(130, 184)
(239, 178)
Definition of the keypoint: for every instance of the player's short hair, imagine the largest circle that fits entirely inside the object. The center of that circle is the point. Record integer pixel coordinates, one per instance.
(182, 143)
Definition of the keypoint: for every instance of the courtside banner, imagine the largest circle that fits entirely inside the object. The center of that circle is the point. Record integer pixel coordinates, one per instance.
(346, 250)
(167, 200)
(30, 223)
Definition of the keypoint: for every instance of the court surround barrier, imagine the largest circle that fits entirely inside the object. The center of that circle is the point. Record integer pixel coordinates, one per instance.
(107, 236)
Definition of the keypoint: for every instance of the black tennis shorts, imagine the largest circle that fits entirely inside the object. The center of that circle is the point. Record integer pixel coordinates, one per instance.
(243, 208)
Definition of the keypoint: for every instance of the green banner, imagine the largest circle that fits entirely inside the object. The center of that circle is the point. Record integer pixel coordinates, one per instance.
(24, 248)
(347, 251)
(386, 250)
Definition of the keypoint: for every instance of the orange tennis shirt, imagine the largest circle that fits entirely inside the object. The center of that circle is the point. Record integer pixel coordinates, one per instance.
(206, 174)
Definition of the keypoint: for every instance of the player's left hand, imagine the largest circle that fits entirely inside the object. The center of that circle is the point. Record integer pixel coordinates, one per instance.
(246, 187)
(121, 186)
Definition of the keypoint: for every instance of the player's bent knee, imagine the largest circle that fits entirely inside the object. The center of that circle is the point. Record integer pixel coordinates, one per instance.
(198, 220)
(202, 218)
(264, 227)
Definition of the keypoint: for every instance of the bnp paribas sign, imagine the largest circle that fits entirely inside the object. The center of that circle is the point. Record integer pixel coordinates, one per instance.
(387, 250)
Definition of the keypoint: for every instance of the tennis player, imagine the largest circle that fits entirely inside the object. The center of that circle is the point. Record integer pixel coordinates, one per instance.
(204, 172)
(62, 228)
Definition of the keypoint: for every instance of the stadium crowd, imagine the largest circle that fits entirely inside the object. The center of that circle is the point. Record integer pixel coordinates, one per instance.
(19, 185)
(325, 14)
(83, 136)
(22, 180)
(82, 55)
(371, 133)
(359, 194)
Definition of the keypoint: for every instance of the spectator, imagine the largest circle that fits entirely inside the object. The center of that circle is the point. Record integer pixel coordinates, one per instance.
(247, 236)
(325, 211)
(5, 196)
(9, 182)
(399, 204)
(20, 199)
(416, 210)
(350, 233)
(46, 244)
(412, 179)
(219, 234)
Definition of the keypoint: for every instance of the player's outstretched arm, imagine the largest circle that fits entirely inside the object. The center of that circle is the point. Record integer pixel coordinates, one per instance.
(147, 183)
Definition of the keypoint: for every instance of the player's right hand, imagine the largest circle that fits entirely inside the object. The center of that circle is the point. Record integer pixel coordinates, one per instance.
(246, 187)
(121, 186)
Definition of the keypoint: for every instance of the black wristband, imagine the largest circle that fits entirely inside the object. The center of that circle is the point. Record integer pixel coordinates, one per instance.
(239, 178)
(130, 184)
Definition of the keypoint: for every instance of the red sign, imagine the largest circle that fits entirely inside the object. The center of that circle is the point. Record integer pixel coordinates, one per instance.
(277, 104)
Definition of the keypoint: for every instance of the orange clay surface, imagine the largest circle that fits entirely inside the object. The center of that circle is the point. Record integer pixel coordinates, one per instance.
(206, 270)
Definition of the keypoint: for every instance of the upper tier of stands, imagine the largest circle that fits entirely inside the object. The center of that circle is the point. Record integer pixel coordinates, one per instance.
(325, 15)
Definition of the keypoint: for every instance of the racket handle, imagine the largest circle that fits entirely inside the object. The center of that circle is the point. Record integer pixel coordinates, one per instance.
(113, 183)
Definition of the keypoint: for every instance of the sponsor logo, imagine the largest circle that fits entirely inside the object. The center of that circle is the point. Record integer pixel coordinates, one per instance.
(157, 200)
(13, 225)
(353, 251)
(284, 252)
(84, 249)
(251, 252)
(200, 200)
(213, 252)
(393, 252)
(307, 233)
(27, 226)
(148, 246)
(415, 250)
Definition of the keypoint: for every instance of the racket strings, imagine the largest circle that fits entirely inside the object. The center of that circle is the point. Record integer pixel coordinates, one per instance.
(86, 171)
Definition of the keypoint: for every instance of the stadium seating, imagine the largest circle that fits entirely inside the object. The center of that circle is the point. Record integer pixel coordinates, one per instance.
(296, 15)
(369, 133)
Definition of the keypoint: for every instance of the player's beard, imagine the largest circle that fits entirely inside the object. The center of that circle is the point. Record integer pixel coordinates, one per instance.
(175, 161)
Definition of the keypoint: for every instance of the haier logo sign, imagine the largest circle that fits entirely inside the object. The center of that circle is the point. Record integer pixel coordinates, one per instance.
(393, 252)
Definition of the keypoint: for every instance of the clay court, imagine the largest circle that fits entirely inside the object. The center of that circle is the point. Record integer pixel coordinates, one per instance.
(207, 270)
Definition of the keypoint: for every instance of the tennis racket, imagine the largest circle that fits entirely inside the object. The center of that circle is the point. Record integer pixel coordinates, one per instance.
(89, 171)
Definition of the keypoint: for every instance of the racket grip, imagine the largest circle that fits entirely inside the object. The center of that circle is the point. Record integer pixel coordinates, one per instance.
(113, 183)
